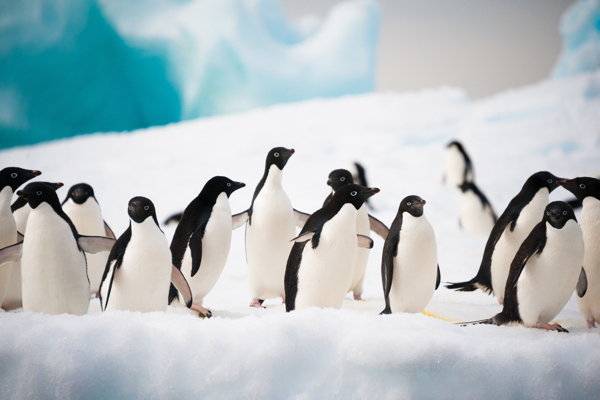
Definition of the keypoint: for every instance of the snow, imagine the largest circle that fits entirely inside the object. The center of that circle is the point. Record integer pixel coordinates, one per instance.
(81, 66)
(349, 353)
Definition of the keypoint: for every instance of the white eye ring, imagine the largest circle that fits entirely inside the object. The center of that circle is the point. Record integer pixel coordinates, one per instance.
(130, 208)
(354, 193)
(276, 154)
(342, 179)
(228, 184)
(547, 212)
(549, 180)
(564, 213)
(39, 192)
(582, 186)
(409, 204)
(146, 208)
(13, 175)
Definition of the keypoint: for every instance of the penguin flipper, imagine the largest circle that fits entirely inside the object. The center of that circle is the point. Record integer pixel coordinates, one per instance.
(300, 218)
(196, 249)
(378, 227)
(238, 220)
(390, 249)
(438, 280)
(173, 218)
(582, 283)
(364, 242)
(114, 262)
(111, 268)
(305, 237)
(11, 253)
(20, 237)
(109, 232)
(181, 284)
(533, 244)
(95, 244)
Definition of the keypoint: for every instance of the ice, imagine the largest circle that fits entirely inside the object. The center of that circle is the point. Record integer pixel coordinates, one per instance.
(81, 66)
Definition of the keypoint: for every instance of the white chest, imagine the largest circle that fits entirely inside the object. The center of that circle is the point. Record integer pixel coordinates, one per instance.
(21, 215)
(86, 217)
(8, 226)
(474, 217)
(455, 167)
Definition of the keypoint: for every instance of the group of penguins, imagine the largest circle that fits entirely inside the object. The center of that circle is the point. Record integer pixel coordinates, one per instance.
(53, 255)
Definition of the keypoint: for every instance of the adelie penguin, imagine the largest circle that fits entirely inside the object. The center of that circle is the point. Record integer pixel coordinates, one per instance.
(364, 224)
(409, 267)
(477, 216)
(587, 191)
(202, 239)
(524, 211)
(544, 272)
(139, 269)
(53, 264)
(459, 168)
(83, 209)
(320, 266)
(359, 176)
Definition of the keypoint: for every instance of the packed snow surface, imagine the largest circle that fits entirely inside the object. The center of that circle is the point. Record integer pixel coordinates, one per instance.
(350, 353)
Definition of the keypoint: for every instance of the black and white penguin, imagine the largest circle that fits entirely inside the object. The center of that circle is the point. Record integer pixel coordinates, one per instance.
(53, 266)
(364, 224)
(201, 242)
(477, 216)
(320, 266)
(139, 268)
(544, 272)
(524, 212)
(587, 191)
(409, 267)
(271, 224)
(10, 180)
(458, 165)
(359, 176)
(83, 209)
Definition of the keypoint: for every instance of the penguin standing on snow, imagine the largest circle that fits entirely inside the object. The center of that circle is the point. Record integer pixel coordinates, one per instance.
(202, 239)
(409, 268)
(544, 272)
(84, 211)
(524, 211)
(459, 168)
(587, 191)
(139, 267)
(477, 216)
(320, 266)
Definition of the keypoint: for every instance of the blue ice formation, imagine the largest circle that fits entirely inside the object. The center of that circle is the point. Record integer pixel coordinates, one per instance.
(78, 66)
(580, 29)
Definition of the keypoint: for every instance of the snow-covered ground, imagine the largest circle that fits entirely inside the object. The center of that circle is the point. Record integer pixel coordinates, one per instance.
(350, 353)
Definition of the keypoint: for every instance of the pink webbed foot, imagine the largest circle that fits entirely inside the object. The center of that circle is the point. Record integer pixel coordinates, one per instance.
(282, 299)
(551, 327)
(357, 297)
(204, 312)
(501, 301)
(591, 324)
(257, 303)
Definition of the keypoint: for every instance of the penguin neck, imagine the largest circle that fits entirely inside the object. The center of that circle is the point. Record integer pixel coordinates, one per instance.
(5, 198)
(273, 176)
(144, 227)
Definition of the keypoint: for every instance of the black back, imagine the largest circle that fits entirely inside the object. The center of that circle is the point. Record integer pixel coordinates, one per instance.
(79, 193)
(15, 177)
(20, 202)
(468, 164)
(116, 254)
(582, 187)
(337, 179)
(466, 186)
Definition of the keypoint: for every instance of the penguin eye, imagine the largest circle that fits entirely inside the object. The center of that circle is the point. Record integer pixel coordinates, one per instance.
(130, 208)
(354, 193)
(13, 175)
(146, 208)
(39, 192)
(86, 193)
(409, 204)
(342, 179)
(276, 154)
(228, 184)
(549, 180)
(547, 212)
(582, 186)
(564, 213)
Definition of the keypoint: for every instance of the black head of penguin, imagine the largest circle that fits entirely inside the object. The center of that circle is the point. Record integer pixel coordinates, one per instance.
(219, 184)
(540, 180)
(339, 178)
(37, 193)
(412, 205)
(279, 156)
(353, 194)
(466, 186)
(15, 177)
(80, 193)
(558, 213)
(582, 187)
(141, 208)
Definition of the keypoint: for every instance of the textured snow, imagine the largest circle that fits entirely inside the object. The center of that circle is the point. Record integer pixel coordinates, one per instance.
(347, 353)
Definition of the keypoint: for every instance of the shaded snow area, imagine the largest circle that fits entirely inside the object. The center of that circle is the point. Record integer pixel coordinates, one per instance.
(313, 354)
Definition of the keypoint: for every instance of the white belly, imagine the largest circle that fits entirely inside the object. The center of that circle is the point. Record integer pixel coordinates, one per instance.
(589, 305)
(455, 167)
(548, 281)
(415, 266)
(363, 227)
(326, 272)
(13, 296)
(8, 236)
(53, 270)
(474, 218)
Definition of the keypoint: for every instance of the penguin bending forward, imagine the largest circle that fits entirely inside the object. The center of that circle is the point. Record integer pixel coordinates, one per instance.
(477, 216)
(409, 267)
(320, 266)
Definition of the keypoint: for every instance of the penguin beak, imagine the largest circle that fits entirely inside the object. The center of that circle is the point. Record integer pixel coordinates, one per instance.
(328, 182)
(422, 202)
(239, 185)
(371, 191)
(291, 151)
(20, 193)
(57, 185)
(562, 182)
(36, 173)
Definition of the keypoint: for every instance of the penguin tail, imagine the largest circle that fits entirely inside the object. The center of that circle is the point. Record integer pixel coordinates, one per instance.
(469, 286)
(488, 321)
(387, 310)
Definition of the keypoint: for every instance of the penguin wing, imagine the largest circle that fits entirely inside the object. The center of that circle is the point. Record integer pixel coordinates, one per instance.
(20, 237)
(305, 237)
(390, 250)
(533, 244)
(95, 244)
(181, 284)
(364, 242)
(173, 218)
(327, 199)
(301, 218)
(378, 227)
(195, 245)
(438, 280)
(582, 283)
(109, 232)
(114, 262)
(238, 220)
(290, 279)
(11, 253)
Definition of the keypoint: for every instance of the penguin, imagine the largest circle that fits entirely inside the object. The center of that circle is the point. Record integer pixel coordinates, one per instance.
(53, 264)
(364, 224)
(409, 267)
(20, 209)
(587, 191)
(139, 267)
(83, 209)
(523, 212)
(459, 168)
(10, 180)
(320, 266)
(201, 242)
(270, 225)
(544, 272)
(477, 216)
(359, 176)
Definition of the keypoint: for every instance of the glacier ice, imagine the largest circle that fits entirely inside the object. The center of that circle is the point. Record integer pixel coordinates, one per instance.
(75, 66)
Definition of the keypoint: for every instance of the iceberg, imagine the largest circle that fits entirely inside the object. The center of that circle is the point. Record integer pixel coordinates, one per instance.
(80, 66)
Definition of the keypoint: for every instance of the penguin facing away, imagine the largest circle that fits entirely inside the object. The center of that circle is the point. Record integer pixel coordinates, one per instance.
(409, 268)
(359, 176)
(139, 268)
(523, 212)
(320, 266)
(459, 168)
(587, 192)
(201, 242)
(477, 216)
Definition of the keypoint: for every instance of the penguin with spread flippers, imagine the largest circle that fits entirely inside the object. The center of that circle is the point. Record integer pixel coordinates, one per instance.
(477, 216)
(459, 168)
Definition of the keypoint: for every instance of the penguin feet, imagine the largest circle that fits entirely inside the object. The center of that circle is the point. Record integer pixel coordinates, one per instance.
(204, 312)
(357, 297)
(501, 301)
(257, 303)
(282, 299)
(591, 324)
(551, 327)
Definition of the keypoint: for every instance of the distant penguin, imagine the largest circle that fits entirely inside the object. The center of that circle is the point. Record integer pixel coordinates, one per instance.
(202, 239)
(84, 211)
(409, 268)
(320, 266)
(271, 224)
(53, 266)
(364, 224)
(524, 211)
(359, 176)
(458, 165)
(10, 180)
(587, 191)
(477, 216)
(544, 272)
(139, 268)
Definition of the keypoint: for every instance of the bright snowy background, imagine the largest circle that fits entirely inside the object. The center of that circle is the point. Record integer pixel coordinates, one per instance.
(351, 353)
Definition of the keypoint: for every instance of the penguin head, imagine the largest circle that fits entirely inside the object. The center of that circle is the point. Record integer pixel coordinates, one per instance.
(466, 186)
(353, 194)
(80, 193)
(457, 144)
(543, 179)
(582, 187)
(339, 178)
(558, 213)
(140, 208)
(412, 205)
(37, 193)
(219, 184)
(15, 177)
(279, 156)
